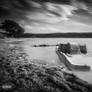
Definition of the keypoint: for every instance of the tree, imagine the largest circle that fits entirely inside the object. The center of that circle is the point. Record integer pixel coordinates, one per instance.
(11, 28)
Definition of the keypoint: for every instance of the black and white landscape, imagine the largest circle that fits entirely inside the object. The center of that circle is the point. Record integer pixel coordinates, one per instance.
(31, 32)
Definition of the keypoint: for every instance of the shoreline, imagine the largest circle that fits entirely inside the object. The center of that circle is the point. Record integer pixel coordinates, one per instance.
(20, 75)
(70, 66)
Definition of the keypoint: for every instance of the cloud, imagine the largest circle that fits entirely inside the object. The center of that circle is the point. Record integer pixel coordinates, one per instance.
(28, 11)
(15, 8)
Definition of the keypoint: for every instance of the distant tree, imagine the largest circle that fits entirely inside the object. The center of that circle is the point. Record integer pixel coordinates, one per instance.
(68, 48)
(83, 49)
(11, 28)
(65, 48)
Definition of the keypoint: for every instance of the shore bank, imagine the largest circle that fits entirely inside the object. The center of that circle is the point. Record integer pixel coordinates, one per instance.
(70, 66)
(18, 74)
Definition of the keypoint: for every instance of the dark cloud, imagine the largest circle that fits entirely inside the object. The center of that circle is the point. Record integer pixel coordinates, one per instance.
(17, 9)
(14, 8)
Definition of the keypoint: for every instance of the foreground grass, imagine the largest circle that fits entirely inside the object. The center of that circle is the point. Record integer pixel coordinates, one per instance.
(18, 74)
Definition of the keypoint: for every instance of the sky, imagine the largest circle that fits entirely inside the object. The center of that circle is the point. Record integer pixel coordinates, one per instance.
(49, 16)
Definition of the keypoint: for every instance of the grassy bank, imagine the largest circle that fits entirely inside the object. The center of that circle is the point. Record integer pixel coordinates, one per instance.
(18, 74)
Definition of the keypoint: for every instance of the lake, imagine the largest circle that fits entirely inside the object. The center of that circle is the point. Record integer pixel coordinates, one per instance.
(47, 55)
(42, 52)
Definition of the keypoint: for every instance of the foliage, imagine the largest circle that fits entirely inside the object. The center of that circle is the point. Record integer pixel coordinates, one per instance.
(12, 28)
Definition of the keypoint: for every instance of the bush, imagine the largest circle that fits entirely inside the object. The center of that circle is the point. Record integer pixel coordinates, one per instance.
(12, 28)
